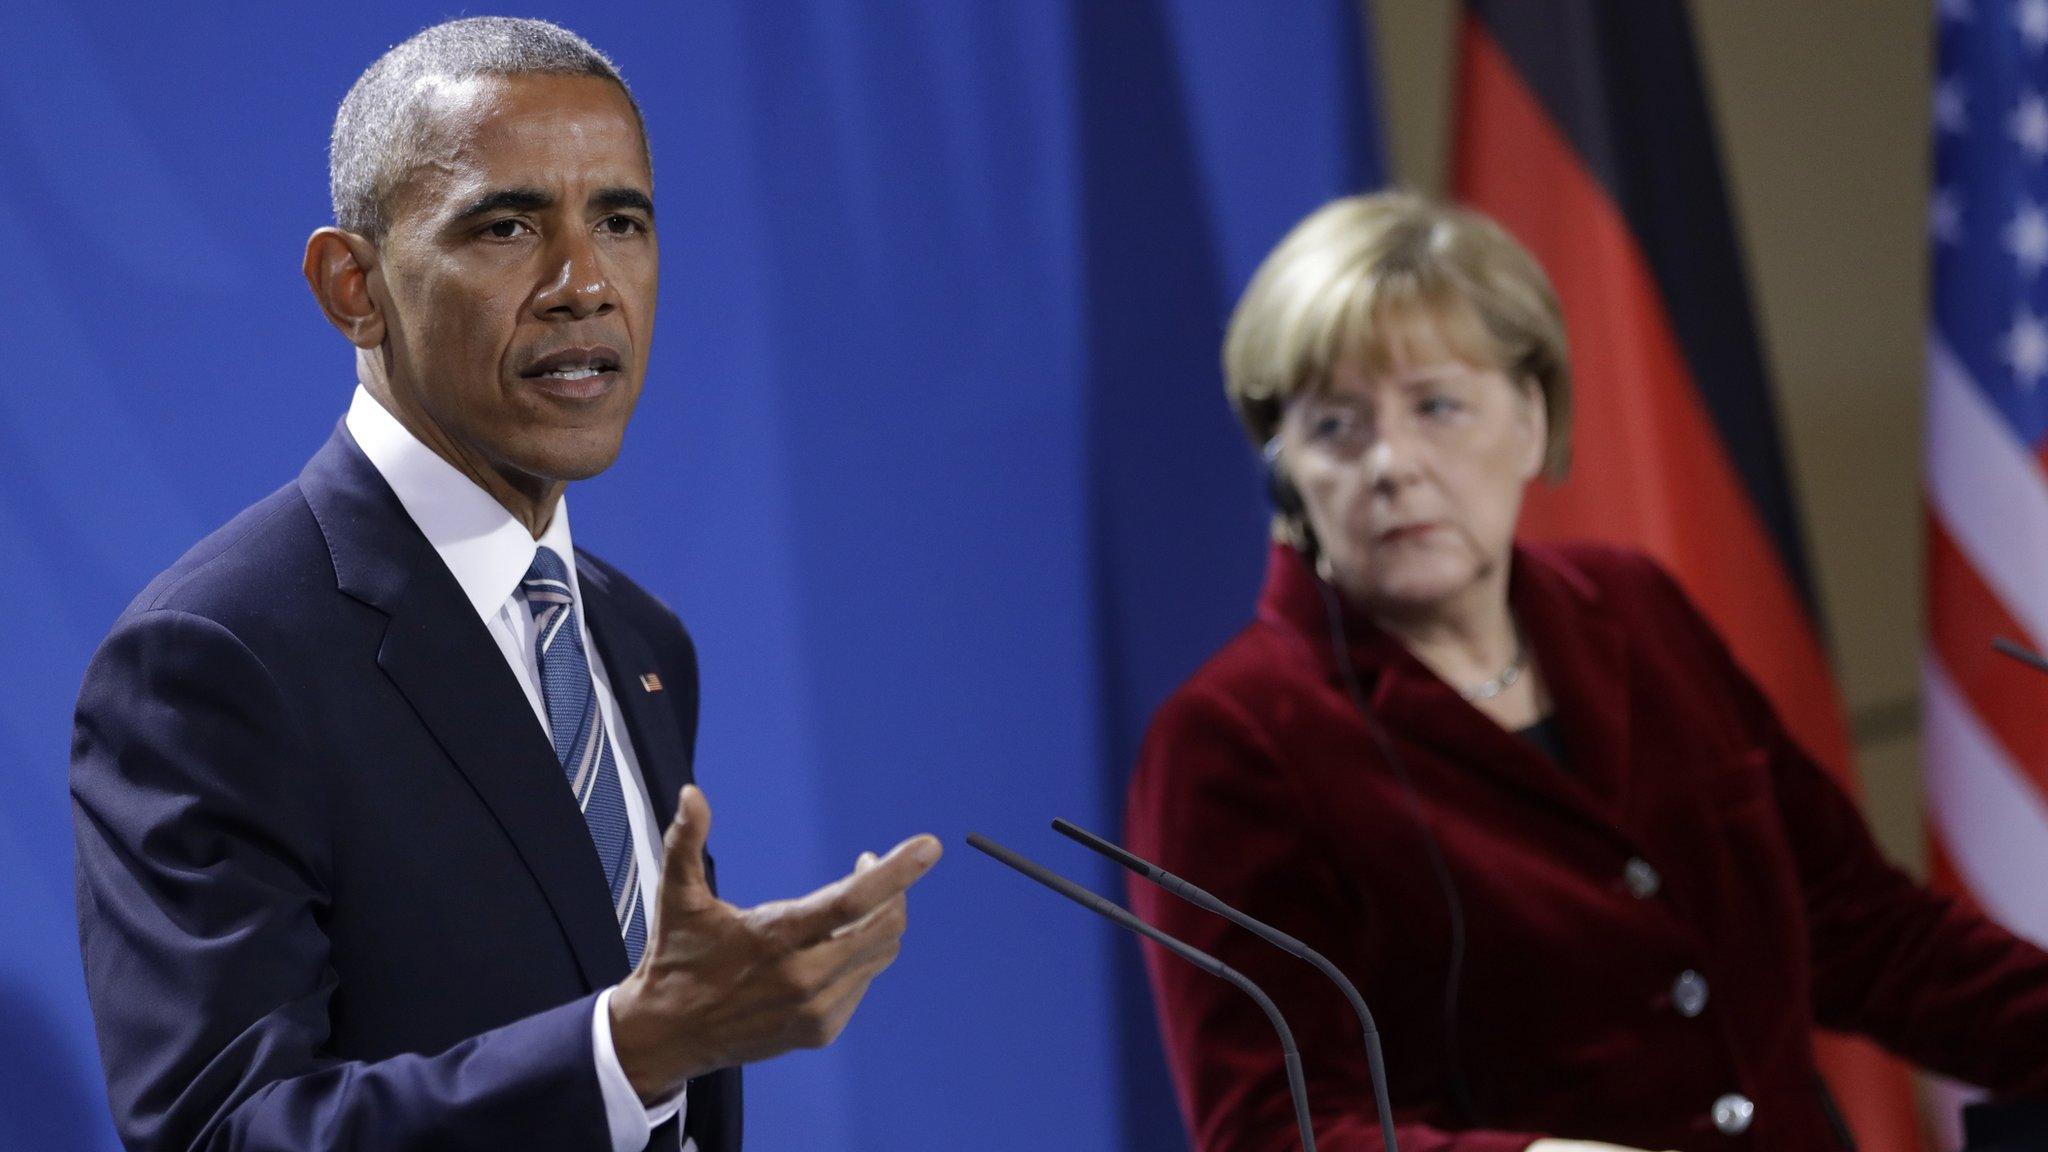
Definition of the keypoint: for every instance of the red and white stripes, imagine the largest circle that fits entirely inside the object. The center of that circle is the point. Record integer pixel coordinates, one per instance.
(1984, 717)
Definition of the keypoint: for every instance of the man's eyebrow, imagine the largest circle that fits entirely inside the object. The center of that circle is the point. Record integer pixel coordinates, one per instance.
(616, 199)
(514, 199)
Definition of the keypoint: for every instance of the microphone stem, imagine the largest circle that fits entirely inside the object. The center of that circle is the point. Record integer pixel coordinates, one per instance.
(1289, 1054)
(1201, 898)
(1123, 918)
(1375, 1064)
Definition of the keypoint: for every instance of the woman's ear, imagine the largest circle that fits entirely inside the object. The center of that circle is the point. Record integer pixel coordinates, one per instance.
(1535, 417)
(338, 268)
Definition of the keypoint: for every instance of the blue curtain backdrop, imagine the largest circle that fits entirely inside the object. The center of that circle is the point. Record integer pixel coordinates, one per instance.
(933, 457)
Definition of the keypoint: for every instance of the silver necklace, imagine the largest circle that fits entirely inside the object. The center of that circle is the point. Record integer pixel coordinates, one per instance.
(1488, 689)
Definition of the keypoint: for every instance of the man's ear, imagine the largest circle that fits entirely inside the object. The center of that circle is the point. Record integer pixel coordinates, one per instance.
(338, 267)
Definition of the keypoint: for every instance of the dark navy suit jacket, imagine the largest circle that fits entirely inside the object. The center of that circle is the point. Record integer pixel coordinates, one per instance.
(332, 890)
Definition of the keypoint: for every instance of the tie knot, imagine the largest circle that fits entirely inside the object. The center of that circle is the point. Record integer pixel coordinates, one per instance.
(547, 573)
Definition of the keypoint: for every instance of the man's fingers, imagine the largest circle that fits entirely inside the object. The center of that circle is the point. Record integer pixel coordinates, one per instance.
(682, 847)
(837, 1005)
(846, 901)
(894, 910)
(860, 958)
(865, 861)
(856, 959)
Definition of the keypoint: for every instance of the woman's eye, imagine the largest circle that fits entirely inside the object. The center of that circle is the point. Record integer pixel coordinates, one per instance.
(1437, 406)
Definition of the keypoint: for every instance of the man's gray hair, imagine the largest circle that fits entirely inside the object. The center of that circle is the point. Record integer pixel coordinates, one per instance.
(380, 130)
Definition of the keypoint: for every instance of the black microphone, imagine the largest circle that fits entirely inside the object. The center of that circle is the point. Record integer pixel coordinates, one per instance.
(1270, 935)
(1187, 952)
(2021, 653)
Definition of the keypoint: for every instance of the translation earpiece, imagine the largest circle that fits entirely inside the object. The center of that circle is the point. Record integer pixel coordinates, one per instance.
(1287, 500)
(1279, 489)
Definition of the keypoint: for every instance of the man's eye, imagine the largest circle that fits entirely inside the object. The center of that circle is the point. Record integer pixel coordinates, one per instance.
(505, 229)
(621, 225)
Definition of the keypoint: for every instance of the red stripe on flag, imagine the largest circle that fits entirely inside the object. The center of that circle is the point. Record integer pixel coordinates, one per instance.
(1648, 470)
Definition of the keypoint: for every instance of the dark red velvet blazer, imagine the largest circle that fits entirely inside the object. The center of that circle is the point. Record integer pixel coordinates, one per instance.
(1259, 782)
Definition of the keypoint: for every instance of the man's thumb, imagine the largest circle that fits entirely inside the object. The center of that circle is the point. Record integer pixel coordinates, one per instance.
(683, 844)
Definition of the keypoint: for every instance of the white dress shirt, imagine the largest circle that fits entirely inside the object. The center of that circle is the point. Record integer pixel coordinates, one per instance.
(489, 552)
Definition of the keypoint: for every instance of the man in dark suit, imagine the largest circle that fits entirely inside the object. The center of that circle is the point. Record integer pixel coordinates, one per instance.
(369, 786)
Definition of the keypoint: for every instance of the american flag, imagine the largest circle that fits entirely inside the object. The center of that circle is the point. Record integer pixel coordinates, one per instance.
(1986, 717)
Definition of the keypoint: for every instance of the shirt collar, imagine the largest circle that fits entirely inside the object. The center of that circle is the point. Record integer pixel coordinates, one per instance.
(485, 547)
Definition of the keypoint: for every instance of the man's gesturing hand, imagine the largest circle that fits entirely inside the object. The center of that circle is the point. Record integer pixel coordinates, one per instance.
(719, 985)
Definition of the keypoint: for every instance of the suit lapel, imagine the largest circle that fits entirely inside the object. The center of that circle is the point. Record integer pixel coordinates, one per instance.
(658, 741)
(441, 657)
(443, 660)
(665, 752)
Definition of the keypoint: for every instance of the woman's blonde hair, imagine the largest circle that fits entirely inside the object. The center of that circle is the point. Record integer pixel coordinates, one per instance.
(1357, 276)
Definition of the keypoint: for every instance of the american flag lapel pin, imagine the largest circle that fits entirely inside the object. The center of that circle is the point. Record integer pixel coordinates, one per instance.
(650, 682)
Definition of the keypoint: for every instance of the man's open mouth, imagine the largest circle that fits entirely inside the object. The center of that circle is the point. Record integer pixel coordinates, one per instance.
(573, 364)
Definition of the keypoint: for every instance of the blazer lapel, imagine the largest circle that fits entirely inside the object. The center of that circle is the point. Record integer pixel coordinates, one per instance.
(1413, 703)
(1584, 657)
(442, 658)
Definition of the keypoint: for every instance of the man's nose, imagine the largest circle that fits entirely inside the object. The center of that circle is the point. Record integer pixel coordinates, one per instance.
(575, 285)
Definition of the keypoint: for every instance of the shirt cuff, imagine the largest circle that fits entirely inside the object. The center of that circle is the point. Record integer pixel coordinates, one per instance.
(631, 1122)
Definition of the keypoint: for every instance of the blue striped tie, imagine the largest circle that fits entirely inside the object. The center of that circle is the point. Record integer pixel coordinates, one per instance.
(580, 742)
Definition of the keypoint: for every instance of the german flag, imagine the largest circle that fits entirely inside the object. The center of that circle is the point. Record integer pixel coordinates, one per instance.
(1582, 126)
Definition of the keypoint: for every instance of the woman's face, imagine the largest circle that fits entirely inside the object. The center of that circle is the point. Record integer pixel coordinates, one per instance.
(1412, 476)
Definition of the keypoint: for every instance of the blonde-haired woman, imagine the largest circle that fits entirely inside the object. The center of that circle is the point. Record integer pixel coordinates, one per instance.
(1522, 795)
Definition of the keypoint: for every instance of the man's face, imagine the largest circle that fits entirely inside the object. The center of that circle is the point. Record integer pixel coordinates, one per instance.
(517, 277)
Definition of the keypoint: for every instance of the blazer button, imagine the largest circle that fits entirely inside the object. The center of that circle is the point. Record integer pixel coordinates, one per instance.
(1732, 1114)
(1641, 880)
(1689, 993)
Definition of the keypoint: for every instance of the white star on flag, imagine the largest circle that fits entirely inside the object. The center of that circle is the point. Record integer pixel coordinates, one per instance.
(1951, 111)
(1945, 217)
(2027, 237)
(2026, 349)
(2030, 125)
(2032, 17)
